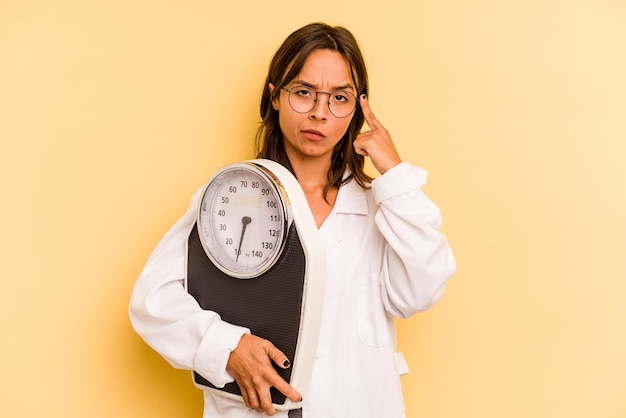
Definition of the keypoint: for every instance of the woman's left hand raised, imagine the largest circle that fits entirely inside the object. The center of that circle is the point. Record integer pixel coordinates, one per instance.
(376, 143)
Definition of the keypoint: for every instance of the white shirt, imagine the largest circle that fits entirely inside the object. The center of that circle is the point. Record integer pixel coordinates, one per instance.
(385, 258)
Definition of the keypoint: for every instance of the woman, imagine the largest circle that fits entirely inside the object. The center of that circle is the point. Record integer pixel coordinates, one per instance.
(385, 255)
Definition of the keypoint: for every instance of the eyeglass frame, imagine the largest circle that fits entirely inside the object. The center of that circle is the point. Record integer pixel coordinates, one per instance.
(356, 101)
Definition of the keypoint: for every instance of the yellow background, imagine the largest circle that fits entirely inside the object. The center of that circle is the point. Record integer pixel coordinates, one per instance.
(113, 112)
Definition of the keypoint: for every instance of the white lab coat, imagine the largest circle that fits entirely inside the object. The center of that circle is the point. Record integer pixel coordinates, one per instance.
(385, 258)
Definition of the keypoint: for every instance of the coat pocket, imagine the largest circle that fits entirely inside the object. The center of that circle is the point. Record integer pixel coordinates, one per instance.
(371, 317)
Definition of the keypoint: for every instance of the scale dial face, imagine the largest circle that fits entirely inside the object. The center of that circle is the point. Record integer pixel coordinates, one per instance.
(243, 220)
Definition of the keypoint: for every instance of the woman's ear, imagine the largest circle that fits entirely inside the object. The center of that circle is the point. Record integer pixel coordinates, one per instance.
(275, 101)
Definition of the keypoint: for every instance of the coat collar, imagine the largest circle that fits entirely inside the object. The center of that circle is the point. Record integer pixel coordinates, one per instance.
(351, 200)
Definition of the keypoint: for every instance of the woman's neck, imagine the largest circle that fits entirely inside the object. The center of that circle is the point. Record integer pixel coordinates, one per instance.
(312, 175)
(311, 172)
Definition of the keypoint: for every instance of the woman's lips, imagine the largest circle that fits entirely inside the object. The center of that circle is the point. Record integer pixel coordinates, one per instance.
(313, 135)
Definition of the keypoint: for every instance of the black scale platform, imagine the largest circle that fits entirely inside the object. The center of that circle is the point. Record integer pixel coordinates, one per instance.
(269, 305)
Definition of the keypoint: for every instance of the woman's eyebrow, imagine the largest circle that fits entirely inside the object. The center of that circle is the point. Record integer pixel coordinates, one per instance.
(313, 86)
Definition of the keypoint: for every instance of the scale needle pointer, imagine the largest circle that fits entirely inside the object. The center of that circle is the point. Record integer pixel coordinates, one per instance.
(245, 221)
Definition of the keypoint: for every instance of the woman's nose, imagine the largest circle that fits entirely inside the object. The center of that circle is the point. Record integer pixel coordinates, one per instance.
(321, 109)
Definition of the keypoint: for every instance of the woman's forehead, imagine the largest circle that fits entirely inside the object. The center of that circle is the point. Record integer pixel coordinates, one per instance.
(326, 69)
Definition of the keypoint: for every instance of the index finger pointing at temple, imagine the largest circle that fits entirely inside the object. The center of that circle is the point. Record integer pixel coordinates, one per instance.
(367, 112)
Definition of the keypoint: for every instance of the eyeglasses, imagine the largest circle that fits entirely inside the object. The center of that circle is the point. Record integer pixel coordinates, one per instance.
(302, 99)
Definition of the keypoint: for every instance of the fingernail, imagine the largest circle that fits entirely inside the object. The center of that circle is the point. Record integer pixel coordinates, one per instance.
(286, 363)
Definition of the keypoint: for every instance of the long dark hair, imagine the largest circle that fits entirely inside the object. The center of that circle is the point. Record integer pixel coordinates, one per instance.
(284, 67)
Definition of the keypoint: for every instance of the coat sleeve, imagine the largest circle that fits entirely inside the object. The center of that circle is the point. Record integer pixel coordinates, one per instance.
(417, 258)
(170, 320)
